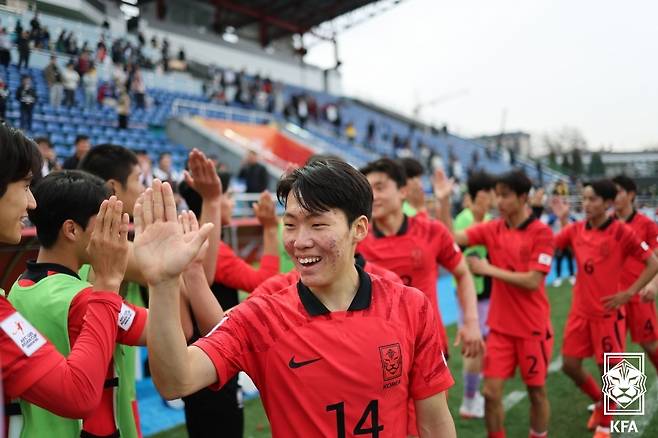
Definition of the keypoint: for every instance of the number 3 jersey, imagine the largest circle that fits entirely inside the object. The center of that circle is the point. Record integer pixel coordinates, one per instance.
(334, 374)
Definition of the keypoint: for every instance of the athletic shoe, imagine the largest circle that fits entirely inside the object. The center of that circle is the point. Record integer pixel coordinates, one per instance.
(602, 432)
(472, 407)
(572, 280)
(595, 418)
(591, 407)
(557, 282)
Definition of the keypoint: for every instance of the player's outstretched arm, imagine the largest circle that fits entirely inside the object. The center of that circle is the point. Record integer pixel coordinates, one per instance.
(205, 307)
(530, 280)
(469, 334)
(443, 192)
(203, 178)
(163, 253)
(433, 417)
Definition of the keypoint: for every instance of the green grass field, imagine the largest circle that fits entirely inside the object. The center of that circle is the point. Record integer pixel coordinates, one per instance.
(568, 405)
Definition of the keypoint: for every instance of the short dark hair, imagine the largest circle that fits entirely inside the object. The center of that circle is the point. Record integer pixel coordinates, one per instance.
(20, 157)
(321, 157)
(625, 183)
(516, 180)
(80, 137)
(479, 181)
(327, 184)
(390, 167)
(604, 188)
(63, 195)
(39, 140)
(109, 161)
(412, 167)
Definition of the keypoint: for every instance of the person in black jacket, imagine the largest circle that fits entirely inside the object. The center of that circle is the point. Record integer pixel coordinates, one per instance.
(253, 173)
(27, 97)
(23, 45)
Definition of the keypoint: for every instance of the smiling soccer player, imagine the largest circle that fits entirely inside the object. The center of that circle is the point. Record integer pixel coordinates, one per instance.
(337, 354)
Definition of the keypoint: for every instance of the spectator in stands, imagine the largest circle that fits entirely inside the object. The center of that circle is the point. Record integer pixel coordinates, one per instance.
(165, 55)
(82, 146)
(18, 30)
(350, 132)
(44, 39)
(5, 48)
(48, 155)
(165, 170)
(302, 109)
(123, 107)
(90, 84)
(53, 76)
(332, 114)
(4, 94)
(146, 167)
(138, 88)
(35, 24)
(253, 173)
(60, 44)
(27, 97)
(370, 135)
(23, 45)
(101, 51)
(181, 55)
(70, 80)
(84, 63)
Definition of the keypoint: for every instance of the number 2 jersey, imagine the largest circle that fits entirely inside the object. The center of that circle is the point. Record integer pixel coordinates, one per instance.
(334, 374)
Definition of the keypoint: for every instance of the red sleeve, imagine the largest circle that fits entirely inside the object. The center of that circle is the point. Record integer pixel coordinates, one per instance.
(429, 371)
(652, 234)
(131, 321)
(447, 252)
(564, 237)
(275, 284)
(633, 246)
(234, 272)
(72, 387)
(227, 346)
(541, 256)
(479, 234)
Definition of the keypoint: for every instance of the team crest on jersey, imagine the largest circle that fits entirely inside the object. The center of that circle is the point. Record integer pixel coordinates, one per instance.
(391, 356)
(417, 258)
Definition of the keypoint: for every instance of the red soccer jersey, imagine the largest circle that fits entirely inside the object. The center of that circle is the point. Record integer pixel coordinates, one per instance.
(516, 311)
(414, 253)
(647, 231)
(324, 373)
(600, 254)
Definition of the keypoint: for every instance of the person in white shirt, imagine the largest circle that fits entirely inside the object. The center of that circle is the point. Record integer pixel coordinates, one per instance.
(70, 79)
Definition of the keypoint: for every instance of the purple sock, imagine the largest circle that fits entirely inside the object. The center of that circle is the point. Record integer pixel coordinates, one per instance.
(471, 384)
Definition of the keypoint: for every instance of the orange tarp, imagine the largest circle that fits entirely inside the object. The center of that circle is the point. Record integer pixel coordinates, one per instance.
(268, 140)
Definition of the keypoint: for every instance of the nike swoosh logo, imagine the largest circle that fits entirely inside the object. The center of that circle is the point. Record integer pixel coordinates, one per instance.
(292, 364)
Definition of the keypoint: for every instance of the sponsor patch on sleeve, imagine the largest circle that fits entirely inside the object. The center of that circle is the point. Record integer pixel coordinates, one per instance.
(644, 246)
(545, 259)
(24, 335)
(126, 317)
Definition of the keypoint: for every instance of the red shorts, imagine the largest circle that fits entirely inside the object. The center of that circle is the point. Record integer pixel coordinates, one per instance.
(504, 353)
(584, 337)
(641, 321)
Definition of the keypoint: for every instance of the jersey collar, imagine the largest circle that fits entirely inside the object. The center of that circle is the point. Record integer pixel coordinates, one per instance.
(523, 225)
(630, 218)
(361, 300)
(38, 271)
(604, 225)
(359, 260)
(401, 232)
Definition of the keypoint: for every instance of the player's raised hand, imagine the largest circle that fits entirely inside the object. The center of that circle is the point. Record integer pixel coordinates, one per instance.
(265, 210)
(190, 226)
(442, 185)
(161, 249)
(202, 176)
(108, 245)
(617, 300)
